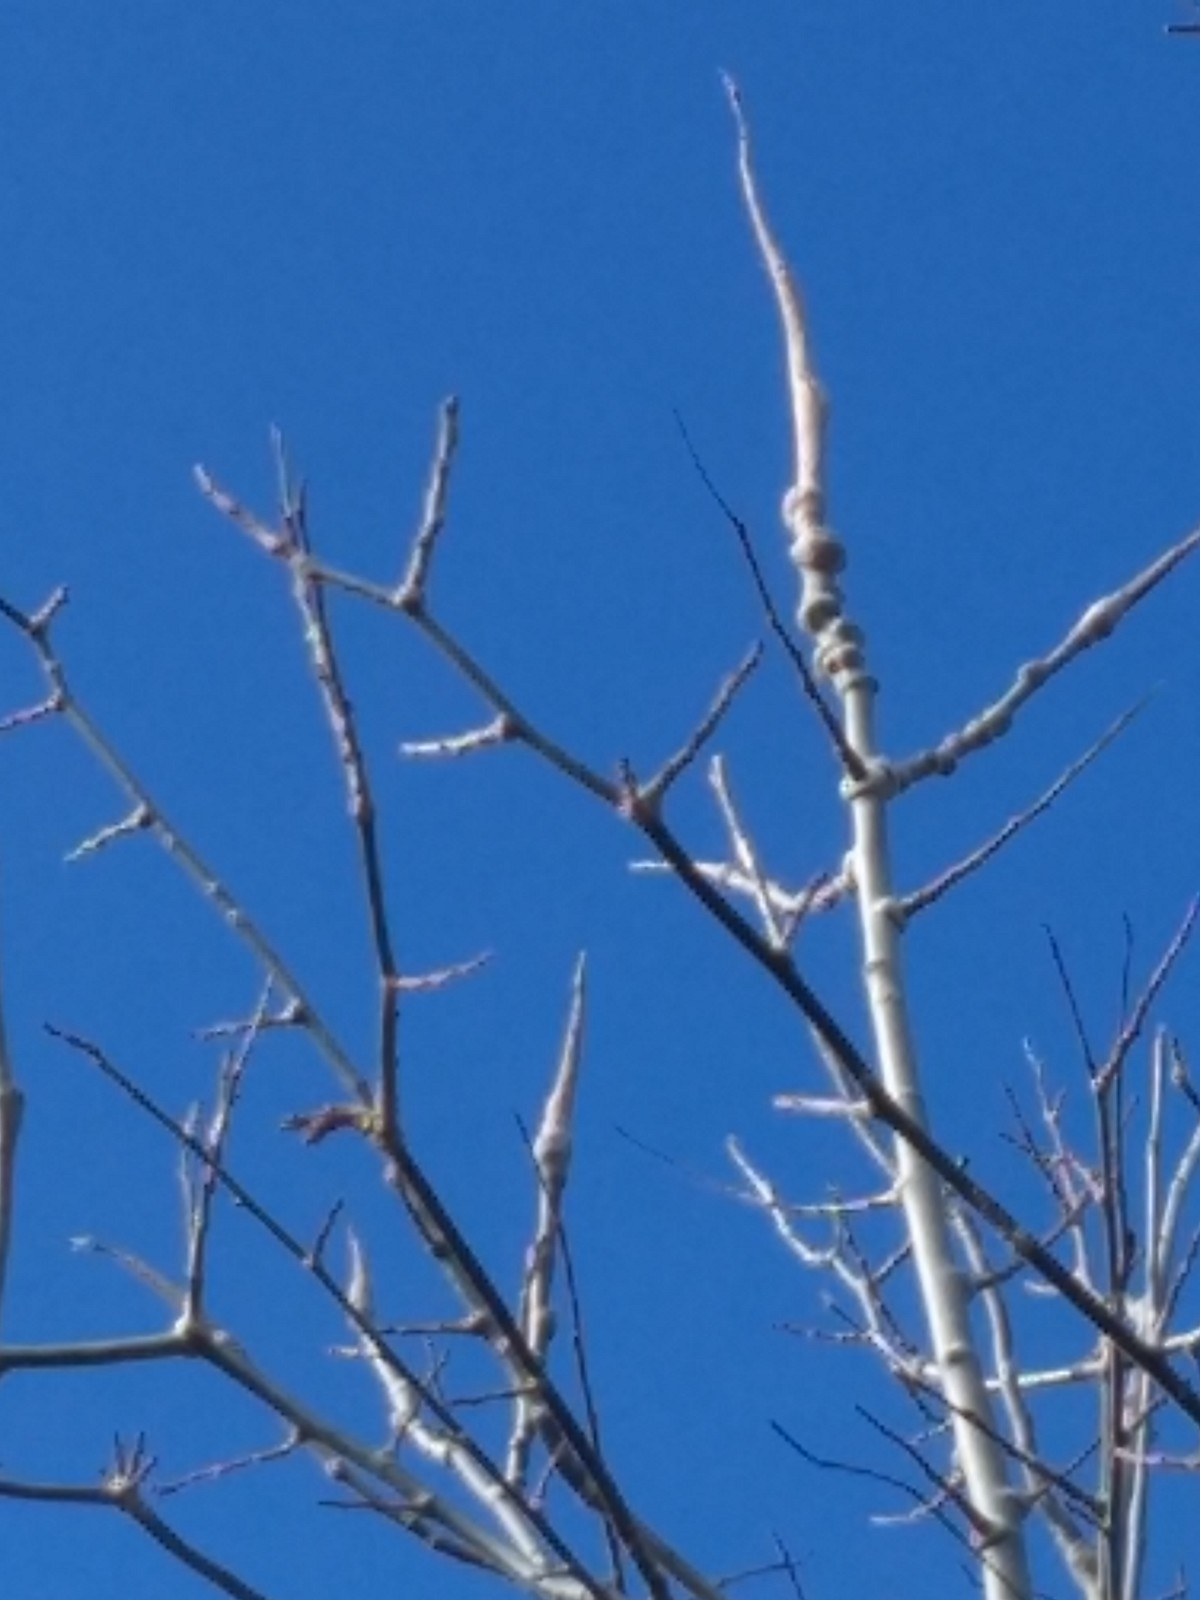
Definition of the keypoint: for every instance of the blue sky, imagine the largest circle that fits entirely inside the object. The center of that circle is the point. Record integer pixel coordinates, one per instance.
(222, 217)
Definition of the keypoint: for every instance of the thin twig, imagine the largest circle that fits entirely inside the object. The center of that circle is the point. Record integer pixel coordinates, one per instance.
(339, 713)
(654, 792)
(952, 876)
(12, 1108)
(871, 1475)
(411, 591)
(551, 1152)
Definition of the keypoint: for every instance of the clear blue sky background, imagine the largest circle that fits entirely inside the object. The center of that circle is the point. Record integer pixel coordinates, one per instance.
(218, 217)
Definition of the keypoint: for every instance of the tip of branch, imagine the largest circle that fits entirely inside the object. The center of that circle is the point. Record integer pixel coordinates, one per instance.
(734, 95)
(358, 1276)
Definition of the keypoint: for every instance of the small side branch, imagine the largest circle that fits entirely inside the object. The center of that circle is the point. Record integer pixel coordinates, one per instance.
(551, 1151)
(1095, 625)
(411, 591)
(922, 898)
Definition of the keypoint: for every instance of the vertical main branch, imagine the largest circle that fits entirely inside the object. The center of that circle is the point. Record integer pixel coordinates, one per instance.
(841, 657)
